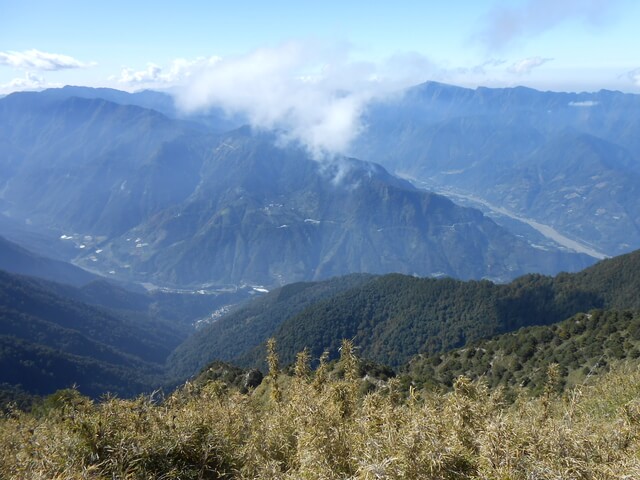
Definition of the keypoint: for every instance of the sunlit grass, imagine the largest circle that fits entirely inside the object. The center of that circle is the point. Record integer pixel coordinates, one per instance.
(318, 426)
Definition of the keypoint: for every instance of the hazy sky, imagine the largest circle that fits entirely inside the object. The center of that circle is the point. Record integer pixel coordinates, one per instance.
(570, 45)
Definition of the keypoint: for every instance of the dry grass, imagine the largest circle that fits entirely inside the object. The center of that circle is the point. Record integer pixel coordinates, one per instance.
(315, 427)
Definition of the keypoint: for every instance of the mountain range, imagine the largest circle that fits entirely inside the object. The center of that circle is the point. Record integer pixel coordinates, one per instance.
(101, 189)
(167, 201)
(142, 249)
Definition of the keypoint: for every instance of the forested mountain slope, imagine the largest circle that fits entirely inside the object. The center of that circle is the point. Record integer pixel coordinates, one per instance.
(583, 345)
(15, 259)
(393, 317)
(100, 337)
(253, 322)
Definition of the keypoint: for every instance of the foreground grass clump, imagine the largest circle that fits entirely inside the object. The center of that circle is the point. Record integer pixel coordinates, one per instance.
(315, 426)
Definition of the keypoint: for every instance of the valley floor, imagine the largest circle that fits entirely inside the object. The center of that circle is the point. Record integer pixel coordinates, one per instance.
(547, 231)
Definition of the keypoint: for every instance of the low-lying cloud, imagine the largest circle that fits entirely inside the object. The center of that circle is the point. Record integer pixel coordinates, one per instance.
(314, 95)
(155, 76)
(43, 61)
(30, 81)
(584, 103)
(526, 65)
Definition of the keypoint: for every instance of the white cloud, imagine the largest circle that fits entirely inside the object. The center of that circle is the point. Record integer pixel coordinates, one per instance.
(634, 76)
(585, 103)
(155, 76)
(526, 65)
(150, 74)
(37, 60)
(506, 24)
(315, 95)
(30, 81)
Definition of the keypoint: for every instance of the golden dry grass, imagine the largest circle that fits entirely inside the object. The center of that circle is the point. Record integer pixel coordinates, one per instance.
(317, 427)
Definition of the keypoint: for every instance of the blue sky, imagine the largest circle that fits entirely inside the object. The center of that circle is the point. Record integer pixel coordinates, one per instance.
(571, 45)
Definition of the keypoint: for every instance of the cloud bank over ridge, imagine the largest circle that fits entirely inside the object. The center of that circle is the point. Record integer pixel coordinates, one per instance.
(315, 95)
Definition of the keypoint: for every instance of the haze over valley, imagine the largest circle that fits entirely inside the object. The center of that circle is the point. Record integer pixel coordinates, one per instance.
(147, 198)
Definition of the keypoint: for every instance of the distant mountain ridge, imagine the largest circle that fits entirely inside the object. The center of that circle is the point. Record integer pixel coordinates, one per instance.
(569, 160)
(162, 102)
(274, 216)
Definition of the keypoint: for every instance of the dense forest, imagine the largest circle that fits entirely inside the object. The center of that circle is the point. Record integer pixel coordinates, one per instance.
(393, 317)
(252, 323)
(103, 338)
